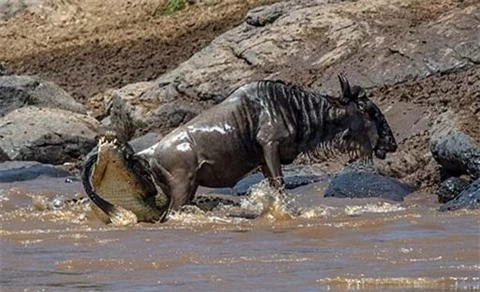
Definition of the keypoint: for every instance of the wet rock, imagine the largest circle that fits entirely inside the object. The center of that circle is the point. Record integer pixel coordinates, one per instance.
(19, 91)
(294, 178)
(452, 147)
(450, 188)
(308, 44)
(13, 171)
(46, 135)
(469, 198)
(362, 182)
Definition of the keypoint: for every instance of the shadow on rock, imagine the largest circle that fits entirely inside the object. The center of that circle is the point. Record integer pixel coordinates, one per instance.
(22, 171)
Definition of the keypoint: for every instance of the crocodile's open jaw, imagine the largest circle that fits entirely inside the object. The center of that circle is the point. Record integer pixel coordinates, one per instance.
(121, 186)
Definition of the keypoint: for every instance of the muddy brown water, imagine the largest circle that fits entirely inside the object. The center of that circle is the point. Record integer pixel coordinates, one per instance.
(333, 245)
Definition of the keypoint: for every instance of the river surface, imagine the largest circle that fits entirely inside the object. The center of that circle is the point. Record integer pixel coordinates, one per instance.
(332, 245)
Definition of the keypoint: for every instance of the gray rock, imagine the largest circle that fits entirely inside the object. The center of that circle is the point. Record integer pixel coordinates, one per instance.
(3, 70)
(11, 8)
(131, 116)
(449, 189)
(361, 182)
(263, 15)
(46, 135)
(452, 148)
(469, 198)
(19, 91)
(308, 44)
(292, 181)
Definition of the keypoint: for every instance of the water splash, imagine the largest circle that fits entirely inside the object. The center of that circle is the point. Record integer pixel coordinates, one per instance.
(380, 207)
(269, 203)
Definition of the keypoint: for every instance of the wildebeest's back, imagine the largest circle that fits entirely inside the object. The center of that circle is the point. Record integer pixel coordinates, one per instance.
(222, 139)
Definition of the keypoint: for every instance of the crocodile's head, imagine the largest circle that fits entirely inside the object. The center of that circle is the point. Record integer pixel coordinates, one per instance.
(121, 186)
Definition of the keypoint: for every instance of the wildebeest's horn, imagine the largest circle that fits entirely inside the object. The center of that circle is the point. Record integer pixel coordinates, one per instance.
(345, 86)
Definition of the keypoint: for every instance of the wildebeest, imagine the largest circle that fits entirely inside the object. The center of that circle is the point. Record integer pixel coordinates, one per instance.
(263, 125)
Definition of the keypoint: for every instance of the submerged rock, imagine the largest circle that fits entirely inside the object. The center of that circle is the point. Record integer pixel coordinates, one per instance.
(469, 198)
(355, 182)
(450, 189)
(28, 170)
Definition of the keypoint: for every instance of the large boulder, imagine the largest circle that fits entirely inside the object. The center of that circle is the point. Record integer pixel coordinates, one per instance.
(452, 144)
(19, 91)
(46, 135)
(308, 43)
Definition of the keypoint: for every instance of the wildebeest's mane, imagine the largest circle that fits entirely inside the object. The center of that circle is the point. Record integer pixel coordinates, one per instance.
(316, 138)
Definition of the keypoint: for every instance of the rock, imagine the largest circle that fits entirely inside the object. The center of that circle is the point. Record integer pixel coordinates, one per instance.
(263, 15)
(291, 182)
(361, 182)
(469, 198)
(128, 113)
(452, 147)
(12, 171)
(450, 189)
(19, 91)
(308, 44)
(11, 8)
(3, 70)
(145, 141)
(295, 176)
(46, 135)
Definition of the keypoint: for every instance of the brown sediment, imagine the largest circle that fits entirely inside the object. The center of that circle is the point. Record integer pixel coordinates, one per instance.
(87, 47)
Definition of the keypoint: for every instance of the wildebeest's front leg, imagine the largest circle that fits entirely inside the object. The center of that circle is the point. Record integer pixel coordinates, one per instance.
(272, 168)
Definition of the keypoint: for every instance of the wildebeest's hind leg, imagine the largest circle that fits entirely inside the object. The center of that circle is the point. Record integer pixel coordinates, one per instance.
(179, 186)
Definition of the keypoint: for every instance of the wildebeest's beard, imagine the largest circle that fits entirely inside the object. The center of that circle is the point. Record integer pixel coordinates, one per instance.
(343, 144)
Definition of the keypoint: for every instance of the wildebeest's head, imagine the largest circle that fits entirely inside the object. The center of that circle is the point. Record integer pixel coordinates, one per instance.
(367, 124)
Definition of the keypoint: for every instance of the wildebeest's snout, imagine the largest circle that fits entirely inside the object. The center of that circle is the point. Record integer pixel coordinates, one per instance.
(385, 145)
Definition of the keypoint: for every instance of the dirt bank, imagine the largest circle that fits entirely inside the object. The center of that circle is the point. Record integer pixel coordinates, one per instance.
(89, 46)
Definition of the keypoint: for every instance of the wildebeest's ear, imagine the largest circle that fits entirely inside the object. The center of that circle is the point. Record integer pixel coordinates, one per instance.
(346, 91)
(358, 92)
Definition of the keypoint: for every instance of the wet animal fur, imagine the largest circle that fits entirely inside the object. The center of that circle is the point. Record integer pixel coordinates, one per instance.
(263, 125)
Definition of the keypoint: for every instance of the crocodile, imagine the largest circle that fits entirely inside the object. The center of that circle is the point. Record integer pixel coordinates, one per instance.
(121, 187)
